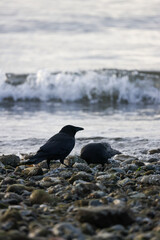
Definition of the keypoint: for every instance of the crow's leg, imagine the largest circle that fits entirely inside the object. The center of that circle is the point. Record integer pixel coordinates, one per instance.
(67, 165)
(62, 161)
(48, 164)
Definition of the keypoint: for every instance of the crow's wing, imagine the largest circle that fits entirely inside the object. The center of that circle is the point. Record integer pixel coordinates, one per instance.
(59, 146)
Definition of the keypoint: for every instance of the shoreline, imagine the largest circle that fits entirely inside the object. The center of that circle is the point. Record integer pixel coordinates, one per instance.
(120, 201)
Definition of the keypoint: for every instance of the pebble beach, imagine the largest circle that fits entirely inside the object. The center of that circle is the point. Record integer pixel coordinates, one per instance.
(119, 201)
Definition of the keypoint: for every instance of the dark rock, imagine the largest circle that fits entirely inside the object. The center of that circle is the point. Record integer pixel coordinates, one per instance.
(2, 168)
(8, 180)
(10, 224)
(95, 203)
(18, 188)
(40, 232)
(88, 229)
(84, 188)
(13, 198)
(152, 160)
(96, 194)
(11, 214)
(3, 205)
(153, 151)
(15, 235)
(11, 160)
(102, 217)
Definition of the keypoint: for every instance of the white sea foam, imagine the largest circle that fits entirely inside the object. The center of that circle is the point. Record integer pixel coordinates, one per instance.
(93, 86)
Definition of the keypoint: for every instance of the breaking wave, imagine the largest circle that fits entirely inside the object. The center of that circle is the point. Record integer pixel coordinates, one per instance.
(110, 86)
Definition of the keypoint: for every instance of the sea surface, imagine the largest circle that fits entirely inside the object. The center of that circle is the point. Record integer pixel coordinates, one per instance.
(93, 64)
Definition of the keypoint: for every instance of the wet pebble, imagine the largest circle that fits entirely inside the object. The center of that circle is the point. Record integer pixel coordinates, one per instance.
(105, 216)
(150, 179)
(18, 188)
(33, 171)
(153, 151)
(68, 230)
(11, 160)
(39, 196)
(81, 176)
(82, 167)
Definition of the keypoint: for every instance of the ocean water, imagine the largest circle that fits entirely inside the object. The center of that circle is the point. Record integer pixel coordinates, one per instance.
(93, 64)
(73, 35)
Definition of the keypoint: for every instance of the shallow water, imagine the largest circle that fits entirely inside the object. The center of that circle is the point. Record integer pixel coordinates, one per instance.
(74, 35)
(25, 126)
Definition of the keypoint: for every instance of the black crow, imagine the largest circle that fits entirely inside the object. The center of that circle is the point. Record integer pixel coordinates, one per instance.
(97, 153)
(57, 147)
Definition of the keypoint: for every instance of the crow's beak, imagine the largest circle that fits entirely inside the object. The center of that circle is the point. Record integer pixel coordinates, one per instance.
(79, 129)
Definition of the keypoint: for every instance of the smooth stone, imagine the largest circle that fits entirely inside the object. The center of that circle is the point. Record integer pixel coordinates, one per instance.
(81, 176)
(153, 160)
(71, 160)
(125, 181)
(144, 236)
(11, 214)
(67, 230)
(50, 181)
(2, 165)
(66, 175)
(118, 227)
(10, 224)
(122, 157)
(84, 188)
(2, 195)
(102, 217)
(106, 236)
(153, 151)
(40, 232)
(138, 163)
(131, 167)
(39, 196)
(150, 179)
(104, 177)
(119, 170)
(8, 180)
(149, 167)
(33, 171)
(13, 198)
(96, 194)
(82, 167)
(15, 235)
(87, 229)
(11, 160)
(3, 205)
(18, 188)
(19, 169)
(119, 202)
(137, 195)
(95, 203)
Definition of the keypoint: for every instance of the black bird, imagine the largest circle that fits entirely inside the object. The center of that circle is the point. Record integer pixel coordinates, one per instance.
(57, 147)
(97, 153)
